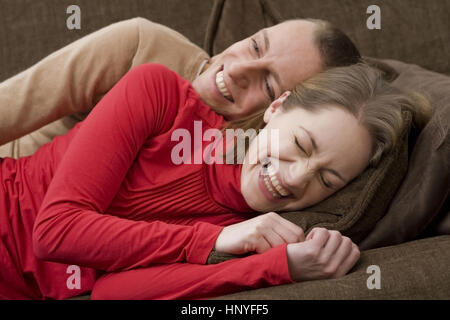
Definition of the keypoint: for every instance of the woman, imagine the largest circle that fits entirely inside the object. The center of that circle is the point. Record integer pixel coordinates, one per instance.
(117, 202)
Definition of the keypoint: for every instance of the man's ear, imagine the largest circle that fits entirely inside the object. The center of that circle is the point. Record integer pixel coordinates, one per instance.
(275, 106)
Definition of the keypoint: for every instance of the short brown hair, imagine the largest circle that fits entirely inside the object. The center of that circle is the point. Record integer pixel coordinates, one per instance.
(335, 47)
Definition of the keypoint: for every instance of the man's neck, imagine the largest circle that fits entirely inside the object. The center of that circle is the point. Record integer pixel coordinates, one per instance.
(204, 66)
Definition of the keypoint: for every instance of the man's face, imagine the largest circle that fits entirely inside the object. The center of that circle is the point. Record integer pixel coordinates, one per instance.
(250, 74)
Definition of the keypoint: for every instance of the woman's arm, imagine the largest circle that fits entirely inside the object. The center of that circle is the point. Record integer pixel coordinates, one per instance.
(190, 281)
(72, 225)
(324, 254)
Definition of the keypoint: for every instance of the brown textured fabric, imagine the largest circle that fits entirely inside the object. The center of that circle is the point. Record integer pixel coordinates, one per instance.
(409, 28)
(421, 200)
(31, 30)
(413, 270)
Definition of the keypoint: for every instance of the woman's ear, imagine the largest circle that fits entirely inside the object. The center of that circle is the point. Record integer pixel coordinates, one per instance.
(275, 106)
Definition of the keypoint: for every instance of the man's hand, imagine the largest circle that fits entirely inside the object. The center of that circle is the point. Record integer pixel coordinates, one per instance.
(258, 234)
(324, 254)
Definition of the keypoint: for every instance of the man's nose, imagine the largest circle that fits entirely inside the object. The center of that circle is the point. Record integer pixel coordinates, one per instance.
(242, 72)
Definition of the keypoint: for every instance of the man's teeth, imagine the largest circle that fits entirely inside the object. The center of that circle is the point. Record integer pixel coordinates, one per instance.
(221, 85)
(272, 183)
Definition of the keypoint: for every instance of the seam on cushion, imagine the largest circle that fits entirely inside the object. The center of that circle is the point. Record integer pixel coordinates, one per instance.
(213, 26)
(441, 131)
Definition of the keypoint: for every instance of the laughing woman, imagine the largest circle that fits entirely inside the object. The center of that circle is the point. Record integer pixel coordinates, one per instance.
(107, 203)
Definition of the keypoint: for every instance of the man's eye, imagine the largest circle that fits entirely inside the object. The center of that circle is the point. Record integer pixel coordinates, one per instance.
(269, 90)
(255, 45)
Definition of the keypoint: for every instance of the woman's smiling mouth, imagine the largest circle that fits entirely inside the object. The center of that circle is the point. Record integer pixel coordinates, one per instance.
(271, 184)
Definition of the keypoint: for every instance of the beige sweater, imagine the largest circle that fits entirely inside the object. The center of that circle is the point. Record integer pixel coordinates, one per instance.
(49, 98)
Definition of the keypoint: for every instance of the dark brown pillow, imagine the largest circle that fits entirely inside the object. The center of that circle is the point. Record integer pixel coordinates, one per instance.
(355, 209)
(421, 205)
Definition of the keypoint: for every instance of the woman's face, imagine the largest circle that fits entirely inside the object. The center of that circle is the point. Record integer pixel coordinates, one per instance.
(318, 154)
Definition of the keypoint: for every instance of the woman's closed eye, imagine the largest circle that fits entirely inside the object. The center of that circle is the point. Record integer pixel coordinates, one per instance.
(323, 181)
(269, 89)
(300, 146)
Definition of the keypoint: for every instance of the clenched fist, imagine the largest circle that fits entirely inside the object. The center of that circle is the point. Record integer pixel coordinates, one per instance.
(324, 254)
(258, 234)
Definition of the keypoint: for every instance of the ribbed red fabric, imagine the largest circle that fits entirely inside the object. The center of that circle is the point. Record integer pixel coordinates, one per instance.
(106, 197)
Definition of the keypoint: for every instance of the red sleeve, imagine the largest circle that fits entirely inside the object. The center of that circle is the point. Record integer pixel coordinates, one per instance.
(190, 281)
(72, 225)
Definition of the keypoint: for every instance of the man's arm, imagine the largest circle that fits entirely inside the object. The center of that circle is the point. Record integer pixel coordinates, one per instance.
(74, 78)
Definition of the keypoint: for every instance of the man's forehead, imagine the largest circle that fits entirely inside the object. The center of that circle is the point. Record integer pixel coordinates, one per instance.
(292, 25)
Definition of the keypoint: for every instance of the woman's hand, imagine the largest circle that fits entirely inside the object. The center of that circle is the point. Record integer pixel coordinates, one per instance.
(258, 234)
(324, 254)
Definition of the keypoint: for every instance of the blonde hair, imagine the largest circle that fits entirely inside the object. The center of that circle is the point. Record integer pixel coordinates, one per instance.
(361, 90)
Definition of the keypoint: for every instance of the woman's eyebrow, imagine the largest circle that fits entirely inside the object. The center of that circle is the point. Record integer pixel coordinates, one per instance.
(314, 146)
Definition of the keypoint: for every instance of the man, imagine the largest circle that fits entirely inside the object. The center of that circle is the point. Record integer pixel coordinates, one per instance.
(239, 82)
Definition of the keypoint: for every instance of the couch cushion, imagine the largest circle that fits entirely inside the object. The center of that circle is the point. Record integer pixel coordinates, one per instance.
(421, 200)
(413, 270)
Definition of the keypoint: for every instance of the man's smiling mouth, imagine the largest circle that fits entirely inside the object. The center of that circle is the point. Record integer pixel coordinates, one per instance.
(222, 87)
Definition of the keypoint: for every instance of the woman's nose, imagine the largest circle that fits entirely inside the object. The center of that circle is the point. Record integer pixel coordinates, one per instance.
(300, 175)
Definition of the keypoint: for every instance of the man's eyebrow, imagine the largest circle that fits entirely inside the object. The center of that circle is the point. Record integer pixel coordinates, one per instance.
(266, 49)
(314, 146)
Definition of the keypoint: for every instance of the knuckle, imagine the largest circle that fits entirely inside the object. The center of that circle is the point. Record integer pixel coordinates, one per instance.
(346, 241)
(266, 218)
(313, 253)
(356, 253)
(261, 224)
(255, 232)
(272, 214)
(335, 233)
(330, 270)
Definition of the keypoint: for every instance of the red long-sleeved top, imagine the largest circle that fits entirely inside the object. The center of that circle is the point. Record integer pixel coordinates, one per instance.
(107, 197)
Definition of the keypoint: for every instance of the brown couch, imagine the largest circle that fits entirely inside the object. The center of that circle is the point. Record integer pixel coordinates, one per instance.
(397, 213)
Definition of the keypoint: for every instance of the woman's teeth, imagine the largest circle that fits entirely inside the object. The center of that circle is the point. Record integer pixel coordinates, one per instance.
(273, 184)
(221, 86)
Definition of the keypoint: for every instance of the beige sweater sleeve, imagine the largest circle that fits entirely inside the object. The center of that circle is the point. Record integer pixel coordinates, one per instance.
(60, 89)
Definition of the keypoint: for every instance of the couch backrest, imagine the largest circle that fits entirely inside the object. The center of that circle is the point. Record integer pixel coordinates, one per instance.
(30, 30)
(412, 31)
